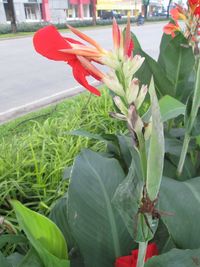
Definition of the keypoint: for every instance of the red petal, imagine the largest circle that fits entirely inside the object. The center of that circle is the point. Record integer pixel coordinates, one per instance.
(80, 75)
(131, 47)
(47, 41)
(125, 261)
(73, 41)
(152, 250)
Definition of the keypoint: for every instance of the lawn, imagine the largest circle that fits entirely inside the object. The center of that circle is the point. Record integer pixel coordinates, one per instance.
(36, 149)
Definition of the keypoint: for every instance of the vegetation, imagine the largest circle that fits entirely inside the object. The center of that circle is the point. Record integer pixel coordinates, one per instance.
(36, 149)
(32, 27)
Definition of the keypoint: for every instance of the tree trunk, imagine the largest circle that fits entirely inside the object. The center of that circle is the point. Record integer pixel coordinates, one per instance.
(168, 7)
(94, 12)
(145, 11)
(11, 11)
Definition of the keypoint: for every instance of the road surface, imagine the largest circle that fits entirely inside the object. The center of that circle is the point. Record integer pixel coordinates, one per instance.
(28, 80)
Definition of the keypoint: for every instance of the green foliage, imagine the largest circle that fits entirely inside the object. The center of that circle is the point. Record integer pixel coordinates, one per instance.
(36, 149)
(176, 258)
(43, 235)
(95, 224)
(156, 148)
(181, 200)
(170, 108)
(177, 61)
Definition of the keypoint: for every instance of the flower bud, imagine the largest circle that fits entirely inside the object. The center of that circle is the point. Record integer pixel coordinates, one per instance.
(112, 82)
(141, 96)
(132, 91)
(119, 103)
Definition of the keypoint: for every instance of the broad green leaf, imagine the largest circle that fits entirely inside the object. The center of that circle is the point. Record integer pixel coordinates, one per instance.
(177, 61)
(176, 258)
(31, 260)
(4, 262)
(156, 148)
(95, 224)
(59, 216)
(43, 235)
(126, 199)
(14, 259)
(195, 103)
(170, 108)
(150, 67)
(182, 201)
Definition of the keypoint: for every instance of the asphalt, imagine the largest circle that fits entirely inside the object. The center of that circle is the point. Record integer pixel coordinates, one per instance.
(30, 82)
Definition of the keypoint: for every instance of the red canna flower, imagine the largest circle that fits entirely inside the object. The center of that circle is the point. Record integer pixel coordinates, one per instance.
(171, 28)
(195, 6)
(178, 13)
(131, 261)
(49, 43)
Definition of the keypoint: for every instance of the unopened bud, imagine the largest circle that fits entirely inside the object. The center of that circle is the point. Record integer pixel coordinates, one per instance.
(137, 61)
(132, 91)
(118, 116)
(112, 82)
(119, 103)
(141, 96)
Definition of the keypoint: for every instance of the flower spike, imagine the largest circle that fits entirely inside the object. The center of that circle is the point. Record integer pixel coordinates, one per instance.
(116, 34)
(127, 40)
(86, 38)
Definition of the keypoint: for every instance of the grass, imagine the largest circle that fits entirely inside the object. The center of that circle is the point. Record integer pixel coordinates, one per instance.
(36, 149)
(30, 33)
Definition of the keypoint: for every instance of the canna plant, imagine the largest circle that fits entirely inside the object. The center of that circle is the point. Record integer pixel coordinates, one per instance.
(145, 186)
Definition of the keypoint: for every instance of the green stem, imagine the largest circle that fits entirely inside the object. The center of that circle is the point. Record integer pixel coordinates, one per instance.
(143, 157)
(183, 154)
(141, 254)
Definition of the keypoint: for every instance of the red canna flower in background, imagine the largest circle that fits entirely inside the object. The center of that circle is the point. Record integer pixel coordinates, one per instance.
(178, 13)
(171, 28)
(131, 261)
(195, 6)
(49, 43)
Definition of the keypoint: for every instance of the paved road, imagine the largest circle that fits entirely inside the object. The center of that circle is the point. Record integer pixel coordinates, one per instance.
(27, 78)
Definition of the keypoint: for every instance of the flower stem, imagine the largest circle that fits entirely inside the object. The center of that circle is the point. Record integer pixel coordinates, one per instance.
(183, 154)
(141, 254)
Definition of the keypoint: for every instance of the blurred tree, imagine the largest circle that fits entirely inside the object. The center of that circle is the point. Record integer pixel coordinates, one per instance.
(11, 12)
(94, 11)
(145, 7)
(168, 8)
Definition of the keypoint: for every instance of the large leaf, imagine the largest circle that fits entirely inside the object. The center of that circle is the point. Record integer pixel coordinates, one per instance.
(150, 67)
(182, 200)
(170, 108)
(177, 61)
(195, 103)
(43, 235)
(14, 259)
(4, 262)
(59, 216)
(95, 224)
(127, 197)
(176, 258)
(156, 148)
(31, 260)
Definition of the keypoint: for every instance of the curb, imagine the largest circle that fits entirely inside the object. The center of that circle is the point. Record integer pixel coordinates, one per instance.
(43, 102)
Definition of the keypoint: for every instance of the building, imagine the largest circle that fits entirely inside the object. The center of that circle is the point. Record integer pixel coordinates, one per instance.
(61, 10)
(125, 7)
(46, 10)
